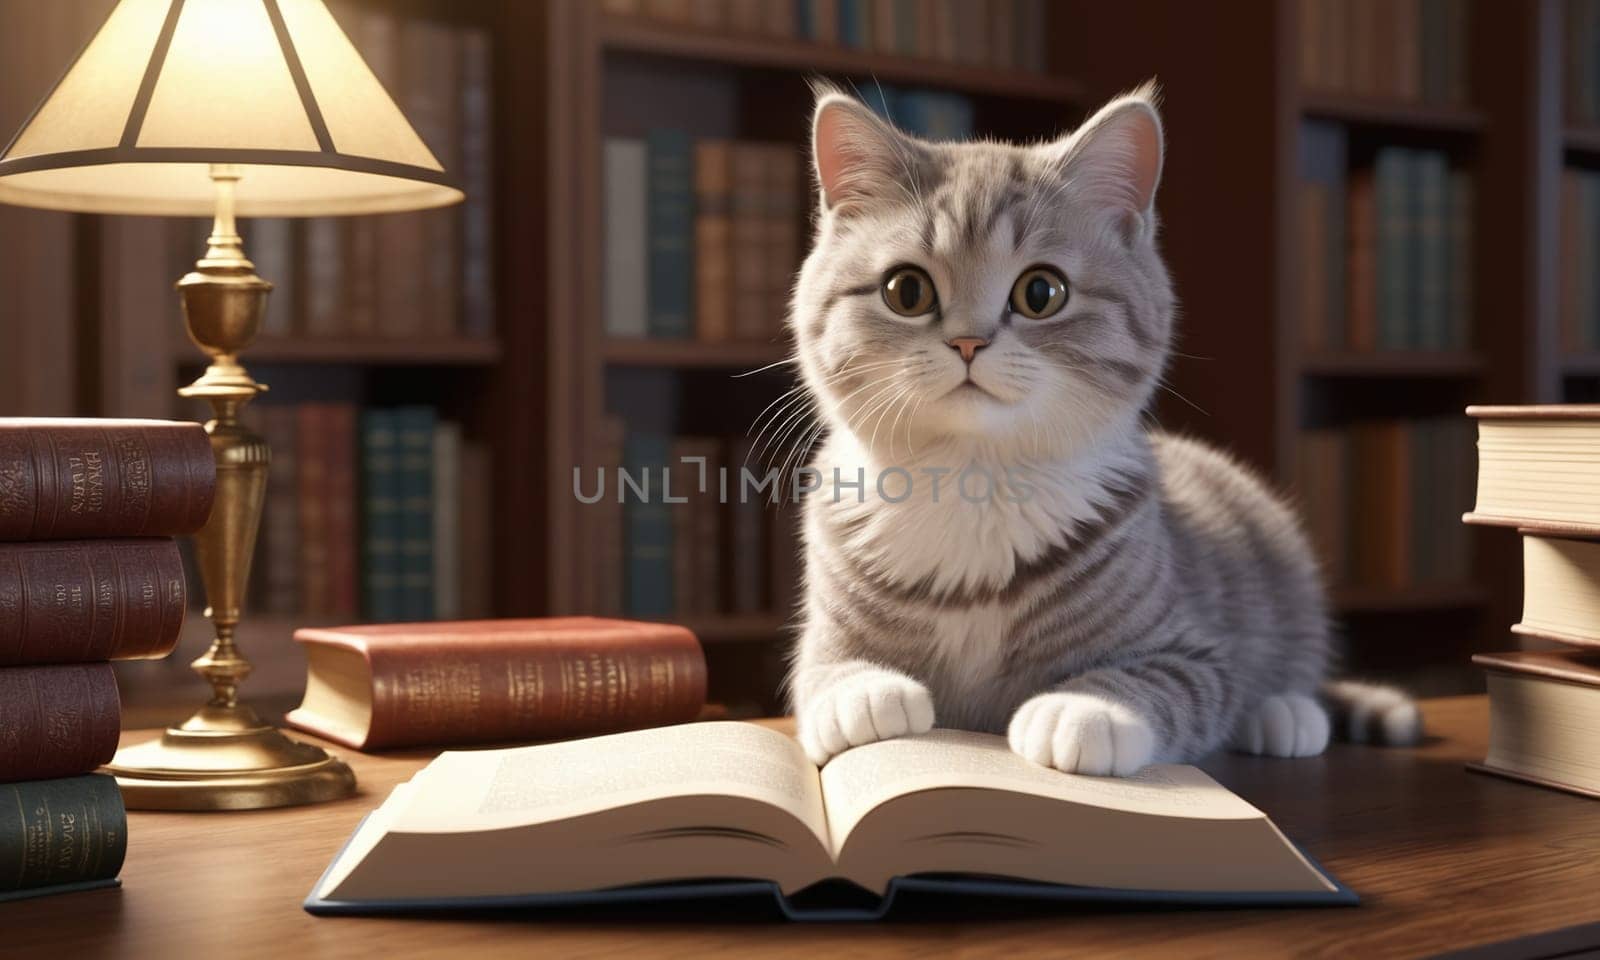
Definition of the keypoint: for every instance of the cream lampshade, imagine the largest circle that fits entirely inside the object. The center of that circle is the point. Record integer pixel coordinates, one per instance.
(169, 87)
(223, 107)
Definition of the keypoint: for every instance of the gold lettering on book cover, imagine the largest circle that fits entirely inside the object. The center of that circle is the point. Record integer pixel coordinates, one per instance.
(525, 687)
(87, 472)
(135, 472)
(441, 696)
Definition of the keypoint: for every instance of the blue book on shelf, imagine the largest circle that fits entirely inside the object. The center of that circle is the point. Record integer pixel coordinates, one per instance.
(414, 428)
(380, 516)
(1461, 276)
(670, 211)
(647, 525)
(854, 29)
(935, 116)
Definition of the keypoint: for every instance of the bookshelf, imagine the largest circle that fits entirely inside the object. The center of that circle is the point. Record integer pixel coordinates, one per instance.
(722, 85)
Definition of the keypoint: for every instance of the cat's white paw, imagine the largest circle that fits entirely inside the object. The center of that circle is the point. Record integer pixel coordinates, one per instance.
(873, 706)
(1287, 725)
(1082, 733)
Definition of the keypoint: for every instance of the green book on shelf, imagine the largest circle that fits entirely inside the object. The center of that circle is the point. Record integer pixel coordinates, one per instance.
(1430, 174)
(670, 212)
(380, 509)
(1391, 175)
(414, 428)
(57, 836)
(1460, 191)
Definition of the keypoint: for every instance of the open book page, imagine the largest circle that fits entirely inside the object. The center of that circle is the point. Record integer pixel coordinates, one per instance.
(862, 778)
(492, 789)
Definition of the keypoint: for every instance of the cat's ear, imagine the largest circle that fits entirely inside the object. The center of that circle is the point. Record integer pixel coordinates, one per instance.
(1116, 157)
(858, 157)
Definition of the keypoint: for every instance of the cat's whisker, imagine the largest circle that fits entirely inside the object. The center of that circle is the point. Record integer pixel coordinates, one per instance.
(774, 364)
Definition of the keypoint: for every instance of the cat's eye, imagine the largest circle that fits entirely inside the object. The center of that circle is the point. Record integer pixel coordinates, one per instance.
(1040, 292)
(909, 291)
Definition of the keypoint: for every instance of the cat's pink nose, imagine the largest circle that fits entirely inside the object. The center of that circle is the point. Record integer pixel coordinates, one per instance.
(969, 346)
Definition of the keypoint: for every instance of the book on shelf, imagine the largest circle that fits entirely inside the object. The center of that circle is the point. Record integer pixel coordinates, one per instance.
(60, 836)
(414, 434)
(1539, 468)
(1580, 251)
(1382, 500)
(1543, 709)
(627, 237)
(1581, 60)
(1561, 590)
(1387, 248)
(705, 802)
(1001, 34)
(378, 687)
(1408, 50)
(669, 215)
(427, 274)
(57, 720)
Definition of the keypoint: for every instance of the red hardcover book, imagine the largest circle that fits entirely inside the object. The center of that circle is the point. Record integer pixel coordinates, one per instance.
(78, 601)
(57, 721)
(484, 681)
(63, 479)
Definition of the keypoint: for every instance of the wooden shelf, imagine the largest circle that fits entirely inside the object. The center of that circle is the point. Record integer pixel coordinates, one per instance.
(637, 35)
(1392, 114)
(1418, 599)
(1581, 364)
(1398, 363)
(448, 352)
(692, 354)
(1582, 139)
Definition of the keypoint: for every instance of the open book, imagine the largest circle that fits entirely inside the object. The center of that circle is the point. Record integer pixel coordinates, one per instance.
(713, 801)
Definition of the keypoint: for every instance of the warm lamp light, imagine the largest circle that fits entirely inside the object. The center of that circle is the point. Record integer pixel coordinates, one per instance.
(223, 107)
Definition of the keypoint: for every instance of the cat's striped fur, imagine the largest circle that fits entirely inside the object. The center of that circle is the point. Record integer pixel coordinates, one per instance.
(1133, 596)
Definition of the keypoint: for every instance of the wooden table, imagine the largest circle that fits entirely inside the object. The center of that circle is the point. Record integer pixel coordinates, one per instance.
(1443, 859)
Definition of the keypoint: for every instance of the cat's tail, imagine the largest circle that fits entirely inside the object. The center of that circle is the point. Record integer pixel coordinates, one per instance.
(1371, 713)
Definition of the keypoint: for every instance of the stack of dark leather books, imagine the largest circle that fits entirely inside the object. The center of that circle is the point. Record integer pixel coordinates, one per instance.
(1539, 472)
(89, 573)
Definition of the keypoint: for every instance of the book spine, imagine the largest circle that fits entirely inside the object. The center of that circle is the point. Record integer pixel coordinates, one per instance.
(713, 227)
(747, 554)
(78, 601)
(627, 238)
(477, 531)
(751, 271)
(1393, 286)
(783, 233)
(380, 561)
(477, 174)
(281, 521)
(271, 247)
(447, 521)
(1313, 294)
(708, 514)
(324, 272)
(853, 31)
(435, 89)
(74, 479)
(1459, 187)
(57, 721)
(1433, 309)
(339, 509)
(312, 489)
(670, 209)
(611, 556)
(415, 436)
(1361, 300)
(537, 691)
(55, 832)
(681, 477)
(648, 582)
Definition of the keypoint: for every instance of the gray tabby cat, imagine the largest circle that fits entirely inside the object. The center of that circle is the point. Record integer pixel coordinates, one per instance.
(990, 317)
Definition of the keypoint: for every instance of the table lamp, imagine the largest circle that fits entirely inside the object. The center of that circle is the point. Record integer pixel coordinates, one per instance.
(223, 108)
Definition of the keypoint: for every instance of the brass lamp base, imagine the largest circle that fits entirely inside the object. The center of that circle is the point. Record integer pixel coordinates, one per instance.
(226, 758)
